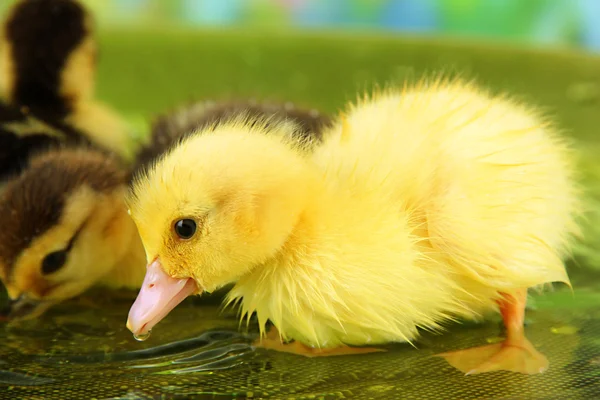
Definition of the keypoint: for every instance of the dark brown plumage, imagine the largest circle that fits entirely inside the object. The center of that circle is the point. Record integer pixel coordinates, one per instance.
(16, 151)
(47, 76)
(55, 141)
(22, 136)
(34, 202)
(42, 35)
(169, 128)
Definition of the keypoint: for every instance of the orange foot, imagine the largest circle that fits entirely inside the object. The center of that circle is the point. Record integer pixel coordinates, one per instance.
(515, 354)
(272, 341)
(516, 357)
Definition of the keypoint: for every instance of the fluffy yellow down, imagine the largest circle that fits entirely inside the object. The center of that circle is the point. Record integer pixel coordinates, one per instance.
(419, 208)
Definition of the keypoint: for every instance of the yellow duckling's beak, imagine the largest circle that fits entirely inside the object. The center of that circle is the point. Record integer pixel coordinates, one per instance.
(159, 294)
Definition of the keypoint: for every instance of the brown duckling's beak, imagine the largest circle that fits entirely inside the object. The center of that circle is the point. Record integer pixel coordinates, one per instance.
(159, 294)
(24, 307)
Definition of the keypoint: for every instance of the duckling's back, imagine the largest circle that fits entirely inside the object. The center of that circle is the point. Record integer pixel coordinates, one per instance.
(485, 182)
(170, 128)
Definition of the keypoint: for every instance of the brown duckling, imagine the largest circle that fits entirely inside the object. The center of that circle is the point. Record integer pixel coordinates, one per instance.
(69, 224)
(69, 229)
(48, 57)
(168, 128)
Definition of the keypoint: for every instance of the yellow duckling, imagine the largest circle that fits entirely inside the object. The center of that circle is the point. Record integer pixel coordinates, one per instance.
(420, 207)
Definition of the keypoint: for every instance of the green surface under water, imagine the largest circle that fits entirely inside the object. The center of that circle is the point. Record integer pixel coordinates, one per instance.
(82, 350)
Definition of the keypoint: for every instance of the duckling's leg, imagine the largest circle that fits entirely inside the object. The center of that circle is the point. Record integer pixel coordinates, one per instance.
(272, 341)
(515, 354)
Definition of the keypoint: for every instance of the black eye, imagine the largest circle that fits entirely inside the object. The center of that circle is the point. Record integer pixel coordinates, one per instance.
(185, 228)
(54, 261)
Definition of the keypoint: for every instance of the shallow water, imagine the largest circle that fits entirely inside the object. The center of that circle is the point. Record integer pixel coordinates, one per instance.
(81, 349)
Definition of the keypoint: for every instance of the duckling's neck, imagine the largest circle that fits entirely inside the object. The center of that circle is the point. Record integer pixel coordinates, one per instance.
(129, 269)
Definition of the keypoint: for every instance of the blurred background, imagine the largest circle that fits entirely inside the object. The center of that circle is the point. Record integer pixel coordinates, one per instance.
(572, 23)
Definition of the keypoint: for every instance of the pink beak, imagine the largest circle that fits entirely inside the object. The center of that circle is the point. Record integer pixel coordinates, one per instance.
(158, 296)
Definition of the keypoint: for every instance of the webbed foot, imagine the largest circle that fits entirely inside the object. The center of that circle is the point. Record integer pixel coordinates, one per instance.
(272, 341)
(515, 354)
(507, 356)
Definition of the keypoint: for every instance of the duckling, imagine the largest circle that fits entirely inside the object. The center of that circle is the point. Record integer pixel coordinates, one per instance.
(22, 136)
(421, 206)
(48, 57)
(169, 128)
(69, 230)
(69, 226)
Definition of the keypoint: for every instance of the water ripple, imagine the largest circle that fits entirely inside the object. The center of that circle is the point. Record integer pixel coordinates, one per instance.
(230, 361)
(169, 349)
(213, 356)
(19, 379)
(214, 353)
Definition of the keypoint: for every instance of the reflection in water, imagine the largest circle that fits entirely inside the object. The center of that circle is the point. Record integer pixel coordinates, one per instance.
(19, 379)
(216, 353)
(211, 342)
(212, 350)
(74, 352)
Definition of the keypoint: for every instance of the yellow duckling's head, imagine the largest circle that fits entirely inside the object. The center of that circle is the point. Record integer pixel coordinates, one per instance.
(223, 201)
(65, 225)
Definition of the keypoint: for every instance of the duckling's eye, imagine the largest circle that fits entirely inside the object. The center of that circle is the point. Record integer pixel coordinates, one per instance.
(54, 261)
(185, 228)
